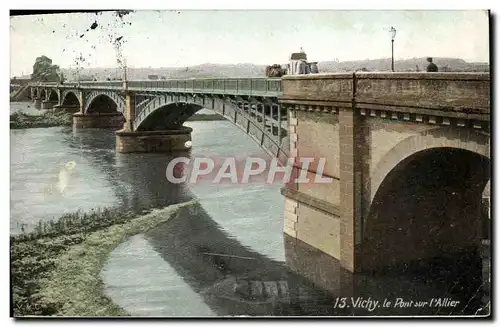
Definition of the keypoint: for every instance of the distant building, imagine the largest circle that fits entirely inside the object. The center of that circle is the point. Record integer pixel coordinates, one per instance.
(86, 78)
(299, 65)
(153, 77)
(298, 56)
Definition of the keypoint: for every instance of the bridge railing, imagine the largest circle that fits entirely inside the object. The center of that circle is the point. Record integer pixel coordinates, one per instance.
(239, 86)
(83, 84)
(43, 84)
(106, 84)
(242, 86)
(53, 84)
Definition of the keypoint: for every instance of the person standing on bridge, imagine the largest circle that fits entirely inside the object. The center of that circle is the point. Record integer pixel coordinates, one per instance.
(432, 66)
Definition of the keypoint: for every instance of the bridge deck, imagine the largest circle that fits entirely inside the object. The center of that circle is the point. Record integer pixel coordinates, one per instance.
(264, 87)
(460, 95)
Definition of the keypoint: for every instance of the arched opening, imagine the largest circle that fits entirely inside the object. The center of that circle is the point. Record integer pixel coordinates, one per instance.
(71, 102)
(169, 117)
(172, 116)
(428, 207)
(53, 96)
(102, 104)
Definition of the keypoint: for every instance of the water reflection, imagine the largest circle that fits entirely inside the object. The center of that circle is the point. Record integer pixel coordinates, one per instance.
(417, 288)
(231, 279)
(138, 180)
(37, 158)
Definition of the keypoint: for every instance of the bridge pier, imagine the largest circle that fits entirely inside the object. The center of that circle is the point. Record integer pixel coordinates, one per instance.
(46, 104)
(102, 120)
(153, 141)
(38, 103)
(129, 140)
(318, 267)
(67, 108)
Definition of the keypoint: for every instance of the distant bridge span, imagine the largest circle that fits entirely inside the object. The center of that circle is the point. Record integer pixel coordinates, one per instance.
(150, 107)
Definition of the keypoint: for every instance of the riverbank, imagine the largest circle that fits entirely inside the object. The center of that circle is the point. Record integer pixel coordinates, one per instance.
(205, 117)
(19, 93)
(55, 269)
(20, 120)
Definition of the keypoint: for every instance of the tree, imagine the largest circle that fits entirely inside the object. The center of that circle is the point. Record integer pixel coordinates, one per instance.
(62, 78)
(275, 71)
(44, 71)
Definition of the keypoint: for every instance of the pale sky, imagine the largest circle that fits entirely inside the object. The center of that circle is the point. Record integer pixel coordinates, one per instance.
(183, 38)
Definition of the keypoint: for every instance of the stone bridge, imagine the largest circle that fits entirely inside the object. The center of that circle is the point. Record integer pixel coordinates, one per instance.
(408, 154)
(409, 158)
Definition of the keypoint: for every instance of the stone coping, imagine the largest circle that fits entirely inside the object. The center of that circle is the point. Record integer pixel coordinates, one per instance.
(458, 76)
(184, 130)
(310, 201)
(103, 114)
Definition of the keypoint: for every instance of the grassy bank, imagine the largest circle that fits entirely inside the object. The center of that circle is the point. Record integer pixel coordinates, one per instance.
(205, 117)
(55, 269)
(20, 120)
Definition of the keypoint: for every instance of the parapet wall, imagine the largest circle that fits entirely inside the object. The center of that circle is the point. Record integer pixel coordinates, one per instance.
(460, 93)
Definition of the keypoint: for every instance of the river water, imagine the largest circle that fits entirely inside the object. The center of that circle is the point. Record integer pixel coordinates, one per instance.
(227, 256)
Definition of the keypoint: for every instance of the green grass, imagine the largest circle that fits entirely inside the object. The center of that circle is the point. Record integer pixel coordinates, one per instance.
(55, 269)
(19, 120)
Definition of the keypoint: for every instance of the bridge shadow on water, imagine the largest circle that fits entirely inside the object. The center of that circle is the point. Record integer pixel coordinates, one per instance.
(233, 279)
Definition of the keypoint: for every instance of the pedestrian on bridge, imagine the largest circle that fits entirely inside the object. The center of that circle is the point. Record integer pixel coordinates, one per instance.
(432, 66)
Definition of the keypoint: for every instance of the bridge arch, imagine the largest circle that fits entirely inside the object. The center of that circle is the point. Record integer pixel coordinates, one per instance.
(169, 116)
(171, 112)
(477, 142)
(69, 98)
(53, 95)
(104, 102)
(426, 199)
